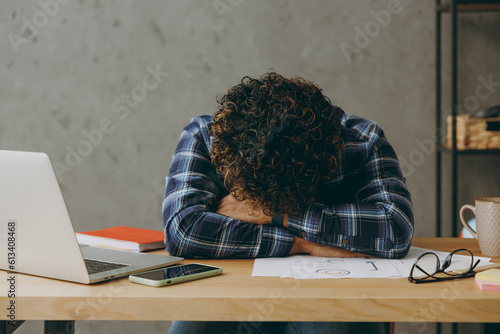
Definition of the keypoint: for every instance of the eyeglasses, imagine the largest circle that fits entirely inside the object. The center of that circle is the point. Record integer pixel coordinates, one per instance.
(458, 264)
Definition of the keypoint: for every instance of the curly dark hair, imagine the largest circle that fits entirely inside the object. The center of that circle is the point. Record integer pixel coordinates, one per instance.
(274, 140)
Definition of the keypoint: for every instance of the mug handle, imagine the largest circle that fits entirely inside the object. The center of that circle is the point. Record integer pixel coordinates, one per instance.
(464, 222)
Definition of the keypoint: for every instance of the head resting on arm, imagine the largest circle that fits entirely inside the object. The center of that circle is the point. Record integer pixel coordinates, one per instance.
(275, 140)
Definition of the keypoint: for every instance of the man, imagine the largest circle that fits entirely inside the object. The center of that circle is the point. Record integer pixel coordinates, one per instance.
(279, 170)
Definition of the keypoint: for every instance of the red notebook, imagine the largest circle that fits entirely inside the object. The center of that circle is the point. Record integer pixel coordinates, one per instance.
(123, 237)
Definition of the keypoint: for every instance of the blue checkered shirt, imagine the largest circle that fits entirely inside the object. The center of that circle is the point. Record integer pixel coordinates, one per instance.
(364, 207)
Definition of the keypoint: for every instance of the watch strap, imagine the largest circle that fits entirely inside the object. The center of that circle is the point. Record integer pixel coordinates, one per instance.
(277, 221)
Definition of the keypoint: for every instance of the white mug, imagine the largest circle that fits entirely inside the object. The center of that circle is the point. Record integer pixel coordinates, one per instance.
(487, 212)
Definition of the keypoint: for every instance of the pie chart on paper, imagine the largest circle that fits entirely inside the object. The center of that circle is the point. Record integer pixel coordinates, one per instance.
(334, 272)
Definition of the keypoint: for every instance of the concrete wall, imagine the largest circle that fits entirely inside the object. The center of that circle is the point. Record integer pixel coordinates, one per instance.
(65, 76)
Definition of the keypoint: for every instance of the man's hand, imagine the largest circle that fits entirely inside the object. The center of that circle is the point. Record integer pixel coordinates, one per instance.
(230, 207)
(302, 246)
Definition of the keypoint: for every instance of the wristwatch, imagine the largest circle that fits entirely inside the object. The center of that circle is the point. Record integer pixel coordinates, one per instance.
(277, 221)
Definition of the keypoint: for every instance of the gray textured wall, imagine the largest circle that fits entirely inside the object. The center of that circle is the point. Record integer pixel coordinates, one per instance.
(69, 72)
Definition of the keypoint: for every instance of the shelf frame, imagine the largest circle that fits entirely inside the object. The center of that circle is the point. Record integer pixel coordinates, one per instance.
(454, 111)
(469, 6)
(453, 7)
(438, 118)
(447, 149)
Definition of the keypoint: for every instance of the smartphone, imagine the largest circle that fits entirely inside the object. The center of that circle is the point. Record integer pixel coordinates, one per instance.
(175, 274)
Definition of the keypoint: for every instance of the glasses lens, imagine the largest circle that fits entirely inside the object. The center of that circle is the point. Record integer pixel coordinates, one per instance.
(460, 263)
(426, 266)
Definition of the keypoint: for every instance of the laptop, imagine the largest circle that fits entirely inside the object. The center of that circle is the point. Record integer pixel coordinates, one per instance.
(36, 233)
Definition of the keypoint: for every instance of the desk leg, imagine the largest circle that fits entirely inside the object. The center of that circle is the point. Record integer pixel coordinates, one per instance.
(491, 328)
(6, 328)
(59, 327)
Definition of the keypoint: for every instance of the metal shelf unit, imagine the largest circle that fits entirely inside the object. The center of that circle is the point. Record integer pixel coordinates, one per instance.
(453, 7)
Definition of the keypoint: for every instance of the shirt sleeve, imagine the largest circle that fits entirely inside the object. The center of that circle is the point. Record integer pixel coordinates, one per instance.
(378, 222)
(191, 226)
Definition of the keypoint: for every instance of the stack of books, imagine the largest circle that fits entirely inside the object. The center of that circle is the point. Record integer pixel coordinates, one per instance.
(488, 279)
(123, 238)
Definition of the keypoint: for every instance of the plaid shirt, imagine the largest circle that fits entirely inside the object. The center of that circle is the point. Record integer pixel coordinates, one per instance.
(364, 207)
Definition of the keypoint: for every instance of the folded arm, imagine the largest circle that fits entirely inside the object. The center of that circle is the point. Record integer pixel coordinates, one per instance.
(379, 222)
(191, 225)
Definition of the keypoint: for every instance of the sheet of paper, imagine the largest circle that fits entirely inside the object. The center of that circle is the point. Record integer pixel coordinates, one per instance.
(320, 267)
(272, 266)
(311, 267)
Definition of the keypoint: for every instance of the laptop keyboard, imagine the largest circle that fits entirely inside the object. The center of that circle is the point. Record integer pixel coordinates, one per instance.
(94, 266)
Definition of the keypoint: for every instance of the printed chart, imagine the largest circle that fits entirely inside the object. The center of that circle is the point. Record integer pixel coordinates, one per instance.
(311, 267)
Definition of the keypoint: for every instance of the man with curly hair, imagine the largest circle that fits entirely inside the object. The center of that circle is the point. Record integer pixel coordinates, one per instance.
(279, 170)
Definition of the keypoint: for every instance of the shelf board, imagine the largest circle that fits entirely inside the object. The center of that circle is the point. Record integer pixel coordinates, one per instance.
(471, 6)
(446, 149)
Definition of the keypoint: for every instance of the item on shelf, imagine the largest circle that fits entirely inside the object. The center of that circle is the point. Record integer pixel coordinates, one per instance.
(124, 238)
(488, 112)
(475, 133)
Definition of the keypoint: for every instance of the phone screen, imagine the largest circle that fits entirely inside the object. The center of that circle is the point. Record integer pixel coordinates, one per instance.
(178, 271)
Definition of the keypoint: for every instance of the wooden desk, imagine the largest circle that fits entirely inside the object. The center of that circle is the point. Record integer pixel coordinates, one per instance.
(237, 296)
